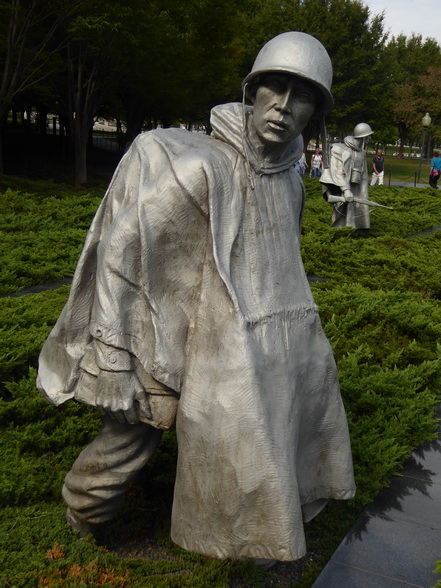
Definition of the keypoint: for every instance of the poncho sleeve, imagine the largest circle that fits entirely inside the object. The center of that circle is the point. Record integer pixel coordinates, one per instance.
(137, 281)
(339, 172)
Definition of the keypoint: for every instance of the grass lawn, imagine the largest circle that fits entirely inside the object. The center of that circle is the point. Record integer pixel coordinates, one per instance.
(399, 169)
(404, 169)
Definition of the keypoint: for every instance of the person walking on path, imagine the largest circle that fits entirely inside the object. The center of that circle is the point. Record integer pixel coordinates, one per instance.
(316, 164)
(301, 165)
(435, 170)
(378, 169)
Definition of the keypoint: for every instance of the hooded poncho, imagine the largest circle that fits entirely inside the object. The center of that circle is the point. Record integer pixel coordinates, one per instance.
(193, 265)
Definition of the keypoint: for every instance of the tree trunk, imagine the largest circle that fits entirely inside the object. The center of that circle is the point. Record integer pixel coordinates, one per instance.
(135, 121)
(80, 139)
(2, 170)
(80, 154)
(3, 116)
(402, 133)
(42, 120)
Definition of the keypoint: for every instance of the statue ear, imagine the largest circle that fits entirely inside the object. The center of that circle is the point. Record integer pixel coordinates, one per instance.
(250, 89)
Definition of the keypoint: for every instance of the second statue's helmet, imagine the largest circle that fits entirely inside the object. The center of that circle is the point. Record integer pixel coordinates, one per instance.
(362, 130)
(298, 54)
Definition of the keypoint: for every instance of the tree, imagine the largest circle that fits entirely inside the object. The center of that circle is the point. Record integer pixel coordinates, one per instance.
(187, 59)
(355, 41)
(405, 112)
(90, 75)
(152, 75)
(28, 54)
(409, 62)
(430, 84)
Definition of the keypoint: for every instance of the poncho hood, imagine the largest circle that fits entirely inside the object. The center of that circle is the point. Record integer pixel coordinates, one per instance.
(228, 122)
(349, 141)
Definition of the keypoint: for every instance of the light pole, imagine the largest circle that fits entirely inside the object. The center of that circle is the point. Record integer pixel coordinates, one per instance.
(425, 122)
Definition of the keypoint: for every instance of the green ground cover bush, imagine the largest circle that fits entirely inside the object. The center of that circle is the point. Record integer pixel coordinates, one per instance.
(25, 323)
(42, 232)
(380, 306)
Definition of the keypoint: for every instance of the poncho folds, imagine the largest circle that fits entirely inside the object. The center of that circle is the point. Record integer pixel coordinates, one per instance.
(193, 265)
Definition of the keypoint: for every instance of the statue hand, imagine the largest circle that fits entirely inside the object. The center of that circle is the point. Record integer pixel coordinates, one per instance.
(348, 196)
(121, 395)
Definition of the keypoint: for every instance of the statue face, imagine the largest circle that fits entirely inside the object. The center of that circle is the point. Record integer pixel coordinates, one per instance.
(283, 106)
(359, 142)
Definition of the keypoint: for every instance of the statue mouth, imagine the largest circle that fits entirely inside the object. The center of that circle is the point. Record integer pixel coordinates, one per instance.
(277, 125)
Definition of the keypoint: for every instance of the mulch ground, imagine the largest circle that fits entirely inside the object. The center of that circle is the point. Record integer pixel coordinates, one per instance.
(282, 575)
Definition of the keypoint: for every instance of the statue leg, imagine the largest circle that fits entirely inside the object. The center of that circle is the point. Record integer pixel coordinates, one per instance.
(95, 486)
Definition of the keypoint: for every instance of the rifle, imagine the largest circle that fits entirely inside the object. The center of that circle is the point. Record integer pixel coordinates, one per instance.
(331, 198)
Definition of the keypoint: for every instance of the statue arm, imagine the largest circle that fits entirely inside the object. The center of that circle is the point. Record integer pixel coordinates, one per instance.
(341, 166)
(148, 271)
(339, 172)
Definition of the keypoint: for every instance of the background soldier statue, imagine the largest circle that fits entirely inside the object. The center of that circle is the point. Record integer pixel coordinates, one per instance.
(345, 181)
(190, 296)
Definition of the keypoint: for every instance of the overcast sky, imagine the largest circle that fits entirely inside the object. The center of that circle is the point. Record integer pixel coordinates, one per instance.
(409, 16)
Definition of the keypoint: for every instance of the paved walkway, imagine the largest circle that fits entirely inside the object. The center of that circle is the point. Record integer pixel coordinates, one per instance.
(406, 185)
(396, 541)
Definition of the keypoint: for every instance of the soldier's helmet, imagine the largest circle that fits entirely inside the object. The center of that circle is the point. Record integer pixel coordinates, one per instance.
(298, 54)
(362, 130)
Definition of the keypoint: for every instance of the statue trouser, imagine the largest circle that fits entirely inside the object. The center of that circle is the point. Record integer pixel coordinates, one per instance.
(95, 486)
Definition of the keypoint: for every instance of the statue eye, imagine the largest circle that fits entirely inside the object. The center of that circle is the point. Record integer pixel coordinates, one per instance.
(275, 85)
(305, 97)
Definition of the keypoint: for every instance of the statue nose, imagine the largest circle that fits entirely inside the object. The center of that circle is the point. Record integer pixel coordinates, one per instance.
(283, 102)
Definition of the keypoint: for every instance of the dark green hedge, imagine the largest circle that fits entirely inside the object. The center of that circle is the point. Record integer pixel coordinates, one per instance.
(379, 300)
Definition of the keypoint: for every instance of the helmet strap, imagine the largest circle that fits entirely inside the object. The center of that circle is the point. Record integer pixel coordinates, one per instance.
(244, 139)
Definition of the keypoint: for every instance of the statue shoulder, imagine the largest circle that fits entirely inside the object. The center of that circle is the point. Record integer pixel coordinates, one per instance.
(340, 151)
(339, 148)
(178, 144)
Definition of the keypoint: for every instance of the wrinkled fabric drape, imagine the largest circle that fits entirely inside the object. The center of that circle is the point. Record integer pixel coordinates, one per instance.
(193, 265)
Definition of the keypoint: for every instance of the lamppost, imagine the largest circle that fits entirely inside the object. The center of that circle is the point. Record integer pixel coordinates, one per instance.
(425, 122)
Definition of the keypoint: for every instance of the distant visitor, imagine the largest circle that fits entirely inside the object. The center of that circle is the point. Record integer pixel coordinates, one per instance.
(316, 164)
(435, 170)
(378, 169)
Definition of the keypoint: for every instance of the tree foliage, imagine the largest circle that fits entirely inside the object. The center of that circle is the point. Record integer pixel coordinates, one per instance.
(28, 52)
(186, 59)
(90, 55)
(170, 61)
(413, 63)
